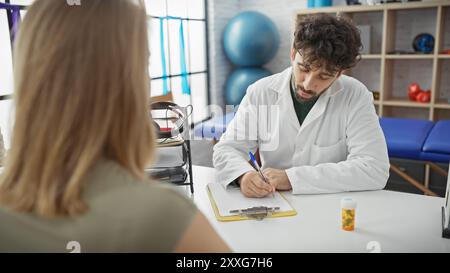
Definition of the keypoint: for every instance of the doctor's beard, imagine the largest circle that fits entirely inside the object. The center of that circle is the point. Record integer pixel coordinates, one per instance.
(304, 95)
(300, 94)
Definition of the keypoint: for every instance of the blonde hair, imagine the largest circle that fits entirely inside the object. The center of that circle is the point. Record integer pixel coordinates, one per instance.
(81, 94)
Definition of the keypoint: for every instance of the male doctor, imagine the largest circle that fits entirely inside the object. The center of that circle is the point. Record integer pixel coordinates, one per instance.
(327, 134)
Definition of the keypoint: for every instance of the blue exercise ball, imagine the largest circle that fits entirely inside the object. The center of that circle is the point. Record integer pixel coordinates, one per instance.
(238, 82)
(250, 39)
(424, 43)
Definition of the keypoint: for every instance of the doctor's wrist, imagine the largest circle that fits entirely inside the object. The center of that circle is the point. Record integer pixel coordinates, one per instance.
(238, 180)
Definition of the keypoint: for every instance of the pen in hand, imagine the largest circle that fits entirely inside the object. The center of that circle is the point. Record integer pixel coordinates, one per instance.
(256, 166)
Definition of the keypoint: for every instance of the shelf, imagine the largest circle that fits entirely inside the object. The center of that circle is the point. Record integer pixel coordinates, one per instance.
(399, 74)
(381, 7)
(343, 9)
(409, 56)
(444, 56)
(405, 103)
(442, 105)
(406, 112)
(370, 56)
(376, 102)
(442, 96)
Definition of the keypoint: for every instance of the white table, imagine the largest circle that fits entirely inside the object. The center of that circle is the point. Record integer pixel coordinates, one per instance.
(394, 221)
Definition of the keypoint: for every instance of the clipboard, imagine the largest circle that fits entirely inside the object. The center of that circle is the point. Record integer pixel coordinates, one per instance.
(231, 205)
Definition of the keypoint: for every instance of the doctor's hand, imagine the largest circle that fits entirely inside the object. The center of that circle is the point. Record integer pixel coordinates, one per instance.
(278, 179)
(252, 185)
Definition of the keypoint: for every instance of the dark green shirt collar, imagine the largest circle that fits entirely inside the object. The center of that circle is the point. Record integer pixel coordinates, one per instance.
(302, 108)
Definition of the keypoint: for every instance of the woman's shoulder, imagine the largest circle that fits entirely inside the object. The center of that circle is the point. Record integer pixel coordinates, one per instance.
(154, 214)
(109, 179)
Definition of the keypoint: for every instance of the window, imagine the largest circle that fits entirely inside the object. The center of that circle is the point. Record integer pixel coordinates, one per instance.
(178, 62)
(7, 28)
(175, 24)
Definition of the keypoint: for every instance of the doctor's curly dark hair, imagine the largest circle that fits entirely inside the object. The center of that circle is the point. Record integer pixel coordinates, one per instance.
(327, 41)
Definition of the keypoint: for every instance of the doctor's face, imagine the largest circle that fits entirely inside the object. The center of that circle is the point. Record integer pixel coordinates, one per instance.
(310, 82)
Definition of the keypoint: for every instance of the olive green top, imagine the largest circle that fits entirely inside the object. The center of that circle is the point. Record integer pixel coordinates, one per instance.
(302, 108)
(125, 215)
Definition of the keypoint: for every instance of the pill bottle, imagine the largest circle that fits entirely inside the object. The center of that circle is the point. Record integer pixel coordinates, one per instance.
(348, 210)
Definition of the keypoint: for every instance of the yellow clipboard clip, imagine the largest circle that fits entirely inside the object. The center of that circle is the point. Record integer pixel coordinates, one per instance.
(257, 213)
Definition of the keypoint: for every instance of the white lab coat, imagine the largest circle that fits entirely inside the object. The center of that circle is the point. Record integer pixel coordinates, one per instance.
(339, 147)
(2, 147)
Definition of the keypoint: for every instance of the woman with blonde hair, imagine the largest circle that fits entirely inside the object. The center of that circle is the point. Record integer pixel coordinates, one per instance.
(82, 138)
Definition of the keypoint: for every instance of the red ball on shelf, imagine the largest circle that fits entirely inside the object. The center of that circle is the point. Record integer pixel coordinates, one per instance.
(424, 96)
(413, 91)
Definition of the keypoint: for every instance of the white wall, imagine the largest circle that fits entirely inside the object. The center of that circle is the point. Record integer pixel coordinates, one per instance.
(219, 14)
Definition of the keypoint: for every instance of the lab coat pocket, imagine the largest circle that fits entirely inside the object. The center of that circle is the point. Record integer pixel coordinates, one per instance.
(329, 154)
